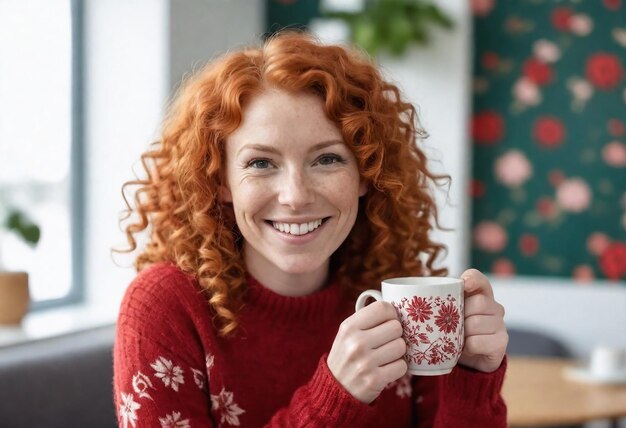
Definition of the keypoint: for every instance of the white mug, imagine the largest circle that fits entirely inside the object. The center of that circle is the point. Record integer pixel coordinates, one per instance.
(606, 361)
(431, 312)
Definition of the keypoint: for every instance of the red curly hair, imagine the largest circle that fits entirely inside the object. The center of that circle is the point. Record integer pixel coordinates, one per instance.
(192, 229)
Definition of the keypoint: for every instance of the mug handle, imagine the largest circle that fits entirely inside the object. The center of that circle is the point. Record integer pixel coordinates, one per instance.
(360, 302)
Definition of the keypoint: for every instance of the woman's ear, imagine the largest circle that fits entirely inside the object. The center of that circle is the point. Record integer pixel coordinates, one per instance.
(225, 195)
(363, 187)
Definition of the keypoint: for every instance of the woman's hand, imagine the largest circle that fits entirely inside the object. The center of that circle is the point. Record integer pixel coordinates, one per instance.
(486, 337)
(368, 351)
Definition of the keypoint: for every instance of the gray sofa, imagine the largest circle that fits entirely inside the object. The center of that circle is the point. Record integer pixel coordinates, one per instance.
(61, 382)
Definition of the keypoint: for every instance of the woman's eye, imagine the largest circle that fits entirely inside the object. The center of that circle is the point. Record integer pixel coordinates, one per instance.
(259, 164)
(329, 159)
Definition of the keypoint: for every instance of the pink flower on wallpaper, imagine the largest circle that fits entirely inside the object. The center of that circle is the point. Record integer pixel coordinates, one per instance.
(583, 273)
(613, 261)
(619, 35)
(549, 131)
(546, 51)
(527, 92)
(612, 4)
(616, 127)
(560, 18)
(597, 242)
(490, 236)
(574, 195)
(503, 268)
(614, 154)
(537, 71)
(604, 70)
(482, 7)
(487, 127)
(580, 89)
(581, 24)
(513, 168)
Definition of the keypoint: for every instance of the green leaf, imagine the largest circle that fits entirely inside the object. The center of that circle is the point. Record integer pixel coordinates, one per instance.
(18, 223)
(438, 17)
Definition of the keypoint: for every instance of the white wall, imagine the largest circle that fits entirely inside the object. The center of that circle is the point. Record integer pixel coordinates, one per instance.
(125, 90)
(136, 52)
(435, 79)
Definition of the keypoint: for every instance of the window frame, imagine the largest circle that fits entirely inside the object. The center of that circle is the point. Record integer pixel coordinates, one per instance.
(76, 292)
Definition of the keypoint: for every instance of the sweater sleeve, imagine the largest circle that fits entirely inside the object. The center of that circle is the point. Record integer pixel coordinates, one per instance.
(160, 374)
(465, 398)
(323, 402)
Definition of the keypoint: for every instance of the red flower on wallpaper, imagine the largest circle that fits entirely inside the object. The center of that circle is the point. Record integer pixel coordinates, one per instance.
(546, 208)
(612, 4)
(482, 7)
(613, 261)
(487, 127)
(604, 71)
(561, 18)
(616, 127)
(549, 131)
(419, 309)
(528, 244)
(537, 71)
(448, 318)
(490, 60)
(477, 188)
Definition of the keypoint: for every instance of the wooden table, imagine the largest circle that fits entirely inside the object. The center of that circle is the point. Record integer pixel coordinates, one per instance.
(538, 394)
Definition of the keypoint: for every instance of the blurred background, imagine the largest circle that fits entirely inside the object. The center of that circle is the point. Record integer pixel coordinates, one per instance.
(524, 103)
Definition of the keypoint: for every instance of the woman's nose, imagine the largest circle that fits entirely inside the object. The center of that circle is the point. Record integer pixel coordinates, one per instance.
(296, 190)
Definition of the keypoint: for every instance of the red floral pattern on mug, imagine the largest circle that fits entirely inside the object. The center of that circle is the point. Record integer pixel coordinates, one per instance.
(448, 318)
(432, 340)
(419, 309)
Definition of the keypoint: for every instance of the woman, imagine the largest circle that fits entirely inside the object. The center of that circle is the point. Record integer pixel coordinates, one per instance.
(286, 181)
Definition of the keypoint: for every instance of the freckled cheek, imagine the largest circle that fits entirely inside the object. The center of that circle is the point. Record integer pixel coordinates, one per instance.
(342, 190)
(251, 198)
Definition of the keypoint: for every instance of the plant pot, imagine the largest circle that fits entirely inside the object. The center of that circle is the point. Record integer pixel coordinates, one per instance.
(14, 297)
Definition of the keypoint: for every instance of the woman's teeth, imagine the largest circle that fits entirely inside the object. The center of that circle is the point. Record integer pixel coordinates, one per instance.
(297, 229)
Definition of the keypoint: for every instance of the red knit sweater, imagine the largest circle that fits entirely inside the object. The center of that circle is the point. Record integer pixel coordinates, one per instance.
(173, 370)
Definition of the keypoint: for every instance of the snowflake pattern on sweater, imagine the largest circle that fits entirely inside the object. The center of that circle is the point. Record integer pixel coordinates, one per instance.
(172, 376)
(171, 369)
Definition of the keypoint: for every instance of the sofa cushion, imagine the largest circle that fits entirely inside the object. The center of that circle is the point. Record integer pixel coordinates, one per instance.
(64, 381)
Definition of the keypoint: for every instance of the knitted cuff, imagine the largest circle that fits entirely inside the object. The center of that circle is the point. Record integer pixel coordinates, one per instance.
(473, 387)
(334, 401)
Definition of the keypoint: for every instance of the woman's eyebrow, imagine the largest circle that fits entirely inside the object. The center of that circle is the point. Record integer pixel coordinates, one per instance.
(259, 147)
(271, 149)
(324, 144)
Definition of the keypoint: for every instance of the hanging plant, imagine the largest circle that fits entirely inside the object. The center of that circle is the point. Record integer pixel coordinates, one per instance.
(393, 25)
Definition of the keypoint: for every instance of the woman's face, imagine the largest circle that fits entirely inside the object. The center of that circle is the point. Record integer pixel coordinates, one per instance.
(293, 183)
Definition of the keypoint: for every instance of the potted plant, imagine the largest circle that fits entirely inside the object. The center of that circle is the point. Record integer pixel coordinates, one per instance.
(392, 25)
(14, 293)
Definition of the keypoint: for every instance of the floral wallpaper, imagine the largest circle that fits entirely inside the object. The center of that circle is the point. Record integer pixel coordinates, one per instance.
(549, 134)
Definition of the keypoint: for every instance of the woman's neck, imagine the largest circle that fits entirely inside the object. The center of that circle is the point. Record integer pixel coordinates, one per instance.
(286, 283)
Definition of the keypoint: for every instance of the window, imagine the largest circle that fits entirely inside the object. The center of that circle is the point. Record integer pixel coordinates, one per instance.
(40, 156)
